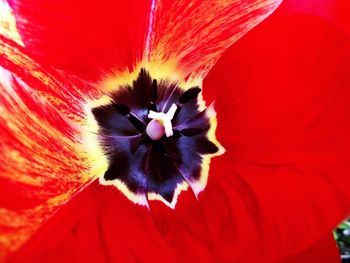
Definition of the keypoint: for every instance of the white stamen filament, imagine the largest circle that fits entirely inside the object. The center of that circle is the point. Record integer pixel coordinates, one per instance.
(165, 119)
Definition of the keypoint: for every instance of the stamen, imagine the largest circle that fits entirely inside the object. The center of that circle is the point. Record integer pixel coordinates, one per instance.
(122, 109)
(154, 88)
(125, 111)
(139, 125)
(189, 94)
(191, 132)
(154, 96)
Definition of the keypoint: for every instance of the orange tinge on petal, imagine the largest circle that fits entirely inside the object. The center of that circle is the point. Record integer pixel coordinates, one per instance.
(192, 34)
(42, 163)
(185, 38)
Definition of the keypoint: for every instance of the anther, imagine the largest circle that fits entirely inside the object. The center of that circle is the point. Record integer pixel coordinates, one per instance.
(189, 94)
(191, 132)
(125, 111)
(154, 96)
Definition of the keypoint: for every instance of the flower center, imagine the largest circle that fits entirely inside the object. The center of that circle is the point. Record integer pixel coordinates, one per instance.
(161, 123)
(156, 140)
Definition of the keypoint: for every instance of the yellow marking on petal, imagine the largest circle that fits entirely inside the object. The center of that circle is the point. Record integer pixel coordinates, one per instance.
(13, 156)
(90, 132)
(17, 230)
(158, 70)
(59, 199)
(8, 26)
(34, 155)
(195, 37)
(211, 114)
(139, 199)
(179, 188)
(10, 218)
(20, 226)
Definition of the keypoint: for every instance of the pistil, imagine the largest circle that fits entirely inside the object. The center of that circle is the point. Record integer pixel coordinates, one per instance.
(153, 129)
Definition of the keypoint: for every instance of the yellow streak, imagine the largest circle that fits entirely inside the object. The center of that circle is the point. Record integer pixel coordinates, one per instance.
(160, 70)
(90, 130)
(211, 114)
(8, 26)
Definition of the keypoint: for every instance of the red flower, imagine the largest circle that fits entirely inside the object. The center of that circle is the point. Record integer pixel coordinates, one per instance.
(281, 96)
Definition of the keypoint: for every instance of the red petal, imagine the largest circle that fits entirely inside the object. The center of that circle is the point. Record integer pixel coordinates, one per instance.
(283, 111)
(91, 39)
(324, 250)
(66, 94)
(101, 225)
(335, 11)
(193, 34)
(285, 87)
(41, 164)
(83, 37)
(277, 209)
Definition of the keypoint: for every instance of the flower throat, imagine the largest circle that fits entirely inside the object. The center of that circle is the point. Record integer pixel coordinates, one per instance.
(156, 139)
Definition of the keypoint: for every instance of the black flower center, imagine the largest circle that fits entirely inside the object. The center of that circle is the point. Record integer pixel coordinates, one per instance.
(155, 138)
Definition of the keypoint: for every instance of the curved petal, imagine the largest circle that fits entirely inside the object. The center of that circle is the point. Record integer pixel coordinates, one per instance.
(335, 11)
(102, 225)
(91, 39)
(283, 116)
(193, 34)
(8, 23)
(83, 37)
(325, 250)
(41, 165)
(279, 210)
(287, 79)
(68, 95)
